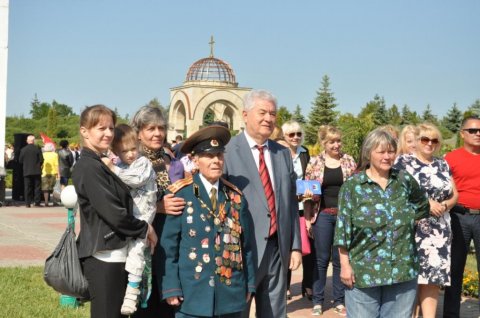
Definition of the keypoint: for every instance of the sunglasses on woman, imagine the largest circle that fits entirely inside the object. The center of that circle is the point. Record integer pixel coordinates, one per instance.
(293, 134)
(425, 140)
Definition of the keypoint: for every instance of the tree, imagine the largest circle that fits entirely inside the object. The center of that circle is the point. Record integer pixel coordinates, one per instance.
(62, 109)
(155, 103)
(283, 115)
(297, 115)
(394, 116)
(453, 119)
(52, 122)
(38, 110)
(474, 109)
(377, 109)
(429, 116)
(208, 117)
(322, 112)
(409, 117)
(354, 129)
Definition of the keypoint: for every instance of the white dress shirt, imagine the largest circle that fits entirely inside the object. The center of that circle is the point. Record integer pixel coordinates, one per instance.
(268, 160)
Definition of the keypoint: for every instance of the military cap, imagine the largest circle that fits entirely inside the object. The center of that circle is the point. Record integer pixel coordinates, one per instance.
(211, 139)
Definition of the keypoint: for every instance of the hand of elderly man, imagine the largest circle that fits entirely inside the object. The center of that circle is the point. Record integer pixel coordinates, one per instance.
(295, 260)
(174, 301)
(171, 205)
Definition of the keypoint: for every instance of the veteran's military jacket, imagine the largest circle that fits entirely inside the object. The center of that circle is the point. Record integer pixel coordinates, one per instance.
(209, 258)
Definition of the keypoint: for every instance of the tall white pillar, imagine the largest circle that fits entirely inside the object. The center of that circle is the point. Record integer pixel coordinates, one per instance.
(3, 75)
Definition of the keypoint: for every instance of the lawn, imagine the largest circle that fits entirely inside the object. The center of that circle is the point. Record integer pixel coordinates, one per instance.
(24, 294)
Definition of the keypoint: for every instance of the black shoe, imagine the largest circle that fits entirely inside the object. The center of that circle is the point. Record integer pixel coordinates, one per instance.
(307, 293)
(28, 205)
(38, 205)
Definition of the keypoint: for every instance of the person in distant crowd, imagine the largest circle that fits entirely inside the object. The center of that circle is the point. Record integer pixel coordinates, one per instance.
(31, 159)
(464, 163)
(293, 135)
(331, 168)
(75, 150)
(151, 127)
(106, 216)
(433, 234)
(210, 269)
(375, 233)
(65, 162)
(137, 173)
(406, 141)
(263, 170)
(176, 148)
(9, 154)
(188, 165)
(50, 170)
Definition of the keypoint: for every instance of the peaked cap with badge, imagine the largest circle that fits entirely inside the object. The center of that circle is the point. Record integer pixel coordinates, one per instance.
(211, 139)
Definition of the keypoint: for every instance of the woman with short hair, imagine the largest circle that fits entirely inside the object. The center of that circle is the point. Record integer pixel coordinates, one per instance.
(375, 233)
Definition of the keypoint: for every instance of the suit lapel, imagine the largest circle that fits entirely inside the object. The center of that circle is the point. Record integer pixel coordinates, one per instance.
(245, 155)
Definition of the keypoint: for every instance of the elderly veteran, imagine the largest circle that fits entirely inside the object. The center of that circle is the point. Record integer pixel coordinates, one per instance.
(209, 270)
(375, 233)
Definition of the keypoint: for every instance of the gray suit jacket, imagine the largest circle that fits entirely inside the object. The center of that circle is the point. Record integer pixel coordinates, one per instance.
(241, 170)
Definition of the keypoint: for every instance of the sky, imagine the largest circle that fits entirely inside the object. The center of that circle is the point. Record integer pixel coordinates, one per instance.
(125, 53)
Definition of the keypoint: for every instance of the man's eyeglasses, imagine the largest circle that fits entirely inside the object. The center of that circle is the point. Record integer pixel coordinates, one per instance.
(472, 131)
(425, 140)
(298, 134)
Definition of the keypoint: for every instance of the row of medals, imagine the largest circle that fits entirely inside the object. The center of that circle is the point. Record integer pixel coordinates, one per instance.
(231, 256)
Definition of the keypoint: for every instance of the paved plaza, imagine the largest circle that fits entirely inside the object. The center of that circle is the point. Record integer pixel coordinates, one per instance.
(28, 235)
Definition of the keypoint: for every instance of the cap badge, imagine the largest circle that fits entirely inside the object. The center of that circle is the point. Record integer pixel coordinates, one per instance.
(214, 143)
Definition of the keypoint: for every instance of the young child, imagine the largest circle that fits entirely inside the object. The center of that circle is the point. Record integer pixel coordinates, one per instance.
(137, 173)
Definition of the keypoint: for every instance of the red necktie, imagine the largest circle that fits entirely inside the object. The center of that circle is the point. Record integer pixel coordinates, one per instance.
(267, 187)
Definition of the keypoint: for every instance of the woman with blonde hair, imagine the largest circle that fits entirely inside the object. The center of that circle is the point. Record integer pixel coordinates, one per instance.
(433, 235)
(331, 167)
(406, 141)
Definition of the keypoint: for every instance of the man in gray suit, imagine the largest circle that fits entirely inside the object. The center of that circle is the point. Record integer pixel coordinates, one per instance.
(263, 171)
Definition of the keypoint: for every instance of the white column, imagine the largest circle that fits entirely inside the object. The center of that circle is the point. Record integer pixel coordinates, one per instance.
(3, 75)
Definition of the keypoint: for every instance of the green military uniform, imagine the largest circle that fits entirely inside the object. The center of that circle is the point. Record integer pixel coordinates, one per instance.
(209, 260)
(208, 248)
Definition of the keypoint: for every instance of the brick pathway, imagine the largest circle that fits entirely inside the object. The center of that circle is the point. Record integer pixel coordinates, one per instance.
(28, 235)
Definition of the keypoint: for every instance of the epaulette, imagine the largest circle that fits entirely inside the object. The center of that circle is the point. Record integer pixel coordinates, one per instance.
(231, 185)
(179, 184)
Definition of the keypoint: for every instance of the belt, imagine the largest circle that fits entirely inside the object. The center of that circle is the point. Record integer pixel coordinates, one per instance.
(331, 211)
(464, 210)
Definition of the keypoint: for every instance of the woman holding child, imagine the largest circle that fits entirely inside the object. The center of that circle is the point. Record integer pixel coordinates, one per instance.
(107, 220)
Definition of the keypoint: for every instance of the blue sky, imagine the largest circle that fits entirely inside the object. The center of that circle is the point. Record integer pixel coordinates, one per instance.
(124, 53)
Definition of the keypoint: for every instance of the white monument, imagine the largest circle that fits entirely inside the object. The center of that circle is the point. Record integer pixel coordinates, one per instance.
(210, 90)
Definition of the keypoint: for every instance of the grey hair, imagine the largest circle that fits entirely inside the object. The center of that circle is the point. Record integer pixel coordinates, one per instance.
(253, 95)
(148, 115)
(293, 126)
(49, 147)
(375, 138)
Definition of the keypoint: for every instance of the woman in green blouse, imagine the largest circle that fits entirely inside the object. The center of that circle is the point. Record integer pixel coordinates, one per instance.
(375, 233)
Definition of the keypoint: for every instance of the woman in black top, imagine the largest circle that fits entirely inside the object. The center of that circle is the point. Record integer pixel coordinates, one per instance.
(106, 217)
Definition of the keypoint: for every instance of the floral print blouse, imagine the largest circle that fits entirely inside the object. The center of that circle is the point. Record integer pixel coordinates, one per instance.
(316, 167)
(377, 227)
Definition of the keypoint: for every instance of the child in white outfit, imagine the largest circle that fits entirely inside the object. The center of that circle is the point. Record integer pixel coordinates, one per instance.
(138, 174)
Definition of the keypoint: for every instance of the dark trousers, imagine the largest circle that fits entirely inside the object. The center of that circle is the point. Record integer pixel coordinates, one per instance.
(271, 283)
(156, 308)
(465, 227)
(308, 268)
(32, 189)
(234, 315)
(107, 283)
(323, 231)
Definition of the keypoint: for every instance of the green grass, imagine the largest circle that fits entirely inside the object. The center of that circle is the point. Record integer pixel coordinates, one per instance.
(24, 294)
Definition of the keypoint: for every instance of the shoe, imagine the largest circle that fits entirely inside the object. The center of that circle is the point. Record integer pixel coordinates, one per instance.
(28, 205)
(289, 295)
(307, 292)
(317, 310)
(38, 205)
(340, 310)
(130, 301)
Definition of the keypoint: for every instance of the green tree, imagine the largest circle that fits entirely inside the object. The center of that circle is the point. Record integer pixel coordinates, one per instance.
(409, 117)
(354, 129)
(453, 119)
(155, 103)
(474, 109)
(377, 109)
(394, 116)
(322, 112)
(52, 122)
(429, 116)
(208, 117)
(298, 116)
(38, 109)
(62, 110)
(283, 115)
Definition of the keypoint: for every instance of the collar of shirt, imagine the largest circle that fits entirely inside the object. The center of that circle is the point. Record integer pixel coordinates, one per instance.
(268, 161)
(252, 143)
(300, 149)
(208, 186)
(364, 178)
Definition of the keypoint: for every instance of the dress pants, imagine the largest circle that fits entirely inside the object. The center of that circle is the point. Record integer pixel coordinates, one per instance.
(271, 284)
(465, 227)
(107, 283)
(32, 189)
